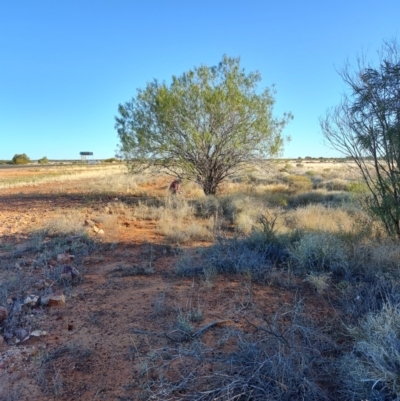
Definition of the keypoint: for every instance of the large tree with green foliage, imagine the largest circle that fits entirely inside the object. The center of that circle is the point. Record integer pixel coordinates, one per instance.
(366, 126)
(204, 126)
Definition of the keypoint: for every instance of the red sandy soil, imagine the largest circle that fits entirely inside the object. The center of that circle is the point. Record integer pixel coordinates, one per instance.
(90, 345)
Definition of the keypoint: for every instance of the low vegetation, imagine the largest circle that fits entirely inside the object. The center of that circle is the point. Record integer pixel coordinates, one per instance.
(302, 231)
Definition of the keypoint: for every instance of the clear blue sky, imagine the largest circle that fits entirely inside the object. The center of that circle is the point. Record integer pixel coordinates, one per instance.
(66, 65)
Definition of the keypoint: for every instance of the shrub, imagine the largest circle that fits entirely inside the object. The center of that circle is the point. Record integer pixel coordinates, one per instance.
(299, 182)
(20, 159)
(318, 196)
(337, 184)
(43, 160)
(357, 187)
(319, 252)
(371, 370)
(233, 205)
(206, 206)
(311, 173)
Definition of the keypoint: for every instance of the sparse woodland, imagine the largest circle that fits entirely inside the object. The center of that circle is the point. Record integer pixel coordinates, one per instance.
(279, 287)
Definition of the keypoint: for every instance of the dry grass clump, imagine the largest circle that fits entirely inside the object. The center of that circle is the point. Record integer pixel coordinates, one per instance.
(337, 184)
(207, 206)
(318, 196)
(177, 223)
(299, 183)
(320, 281)
(192, 190)
(378, 256)
(71, 223)
(144, 211)
(244, 221)
(186, 233)
(371, 370)
(235, 204)
(319, 252)
(120, 182)
(317, 217)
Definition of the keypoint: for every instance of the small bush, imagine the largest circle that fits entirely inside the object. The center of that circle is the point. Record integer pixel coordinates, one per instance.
(319, 281)
(299, 182)
(318, 196)
(319, 252)
(143, 211)
(311, 173)
(207, 206)
(371, 370)
(43, 160)
(337, 184)
(66, 224)
(357, 187)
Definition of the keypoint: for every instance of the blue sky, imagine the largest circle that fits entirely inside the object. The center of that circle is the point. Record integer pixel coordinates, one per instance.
(66, 65)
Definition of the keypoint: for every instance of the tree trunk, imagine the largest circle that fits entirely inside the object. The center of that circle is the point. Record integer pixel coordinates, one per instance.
(209, 186)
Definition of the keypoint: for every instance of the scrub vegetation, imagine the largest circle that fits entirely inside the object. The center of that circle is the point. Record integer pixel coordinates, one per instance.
(281, 286)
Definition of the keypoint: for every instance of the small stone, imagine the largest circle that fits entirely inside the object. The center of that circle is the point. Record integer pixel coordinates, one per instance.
(33, 337)
(89, 223)
(53, 300)
(31, 301)
(20, 334)
(64, 257)
(72, 271)
(34, 352)
(100, 232)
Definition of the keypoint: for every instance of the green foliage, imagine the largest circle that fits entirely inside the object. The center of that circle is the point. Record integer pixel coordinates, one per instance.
(357, 187)
(20, 159)
(111, 160)
(311, 173)
(366, 125)
(43, 160)
(204, 126)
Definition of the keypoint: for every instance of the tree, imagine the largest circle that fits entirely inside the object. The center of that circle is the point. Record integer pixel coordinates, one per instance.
(204, 126)
(366, 126)
(20, 159)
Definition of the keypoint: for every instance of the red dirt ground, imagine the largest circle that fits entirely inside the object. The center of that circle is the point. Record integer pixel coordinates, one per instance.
(91, 350)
